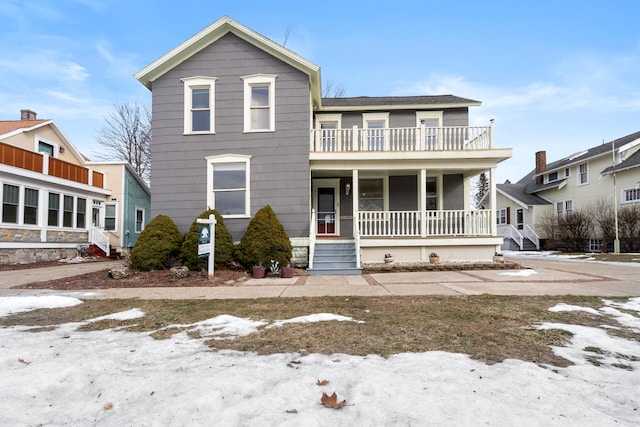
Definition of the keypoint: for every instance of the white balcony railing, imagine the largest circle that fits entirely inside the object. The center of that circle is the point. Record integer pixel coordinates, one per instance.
(434, 223)
(402, 139)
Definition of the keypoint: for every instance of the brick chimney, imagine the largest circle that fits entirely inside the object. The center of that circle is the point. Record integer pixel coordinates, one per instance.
(541, 165)
(28, 115)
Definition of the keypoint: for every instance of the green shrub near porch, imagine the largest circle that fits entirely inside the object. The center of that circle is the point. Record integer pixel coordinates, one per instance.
(264, 240)
(223, 243)
(157, 246)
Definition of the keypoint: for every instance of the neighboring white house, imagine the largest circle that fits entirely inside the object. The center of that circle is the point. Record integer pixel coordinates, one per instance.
(53, 200)
(608, 172)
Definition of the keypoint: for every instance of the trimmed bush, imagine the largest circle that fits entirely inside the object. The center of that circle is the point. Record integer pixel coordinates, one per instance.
(264, 240)
(157, 246)
(223, 243)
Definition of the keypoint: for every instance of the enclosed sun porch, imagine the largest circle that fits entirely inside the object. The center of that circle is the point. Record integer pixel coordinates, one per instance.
(405, 191)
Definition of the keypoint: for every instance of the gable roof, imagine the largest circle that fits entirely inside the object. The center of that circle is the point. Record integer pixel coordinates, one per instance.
(593, 152)
(215, 31)
(526, 188)
(10, 128)
(397, 102)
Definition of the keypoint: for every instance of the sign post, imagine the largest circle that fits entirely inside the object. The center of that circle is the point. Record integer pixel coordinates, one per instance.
(207, 240)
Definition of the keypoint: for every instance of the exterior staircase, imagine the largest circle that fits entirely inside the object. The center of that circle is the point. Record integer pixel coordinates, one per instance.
(114, 254)
(335, 258)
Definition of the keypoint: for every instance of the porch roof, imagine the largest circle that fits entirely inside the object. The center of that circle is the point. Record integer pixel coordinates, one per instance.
(397, 102)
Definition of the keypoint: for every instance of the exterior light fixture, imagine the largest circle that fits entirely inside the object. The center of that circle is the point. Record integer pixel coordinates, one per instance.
(347, 189)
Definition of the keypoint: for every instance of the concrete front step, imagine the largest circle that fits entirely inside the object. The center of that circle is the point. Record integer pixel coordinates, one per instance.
(334, 271)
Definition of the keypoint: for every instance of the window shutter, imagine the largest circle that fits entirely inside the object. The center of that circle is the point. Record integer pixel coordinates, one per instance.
(508, 215)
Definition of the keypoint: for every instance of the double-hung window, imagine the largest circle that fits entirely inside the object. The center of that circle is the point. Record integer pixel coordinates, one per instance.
(199, 104)
(67, 211)
(30, 214)
(259, 103)
(429, 122)
(431, 188)
(81, 212)
(376, 125)
(10, 203)
(501, 217)
(139, 220)
(110, 222)
(228, 183)
(327, 136)
(563, 207)
(583, 173)
(54, 210)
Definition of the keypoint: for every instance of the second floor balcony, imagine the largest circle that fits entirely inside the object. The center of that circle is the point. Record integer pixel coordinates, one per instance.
(416, 139)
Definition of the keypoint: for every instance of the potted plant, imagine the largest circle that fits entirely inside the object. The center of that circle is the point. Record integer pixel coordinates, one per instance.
(287, 271)
(258, 271)
(388, 258)
(434, 258)
(498, 257)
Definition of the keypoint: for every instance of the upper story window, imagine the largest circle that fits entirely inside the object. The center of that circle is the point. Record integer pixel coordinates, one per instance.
(429, 121)
(583, 174)
(110, 216)
(327, 138)
(199, 104)
(45, 148)
(228, 179)
(259, 103)
(558, 175)
(376, 123)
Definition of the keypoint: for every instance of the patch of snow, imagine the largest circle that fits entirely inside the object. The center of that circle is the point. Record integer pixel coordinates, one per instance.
(567, 307)
(319, 317)
(519, 273)
(15, 304)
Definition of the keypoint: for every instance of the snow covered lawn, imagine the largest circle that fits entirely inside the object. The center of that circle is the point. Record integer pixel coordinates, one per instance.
(119, 378)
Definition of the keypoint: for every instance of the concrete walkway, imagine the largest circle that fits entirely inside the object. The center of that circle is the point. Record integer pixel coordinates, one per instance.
(545, 277)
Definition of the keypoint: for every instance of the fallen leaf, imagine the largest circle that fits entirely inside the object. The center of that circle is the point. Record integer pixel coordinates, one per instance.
(291, 411)
(323, 382)
(108, 405)
(332, 401)
(24, 361)
(336, 360)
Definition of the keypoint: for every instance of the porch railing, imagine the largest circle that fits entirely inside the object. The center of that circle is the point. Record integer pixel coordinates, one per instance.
(99, 239)
(402, 139)
(435, 223)
(530, 234)
(510, 232)
(312, 238)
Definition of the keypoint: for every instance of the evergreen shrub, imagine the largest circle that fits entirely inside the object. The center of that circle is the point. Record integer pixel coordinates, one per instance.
(157, 246)
(264, 240)
(223, 243)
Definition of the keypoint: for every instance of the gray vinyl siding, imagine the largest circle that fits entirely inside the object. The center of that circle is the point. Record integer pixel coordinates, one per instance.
(280, 160)
(407, 118)
(403, 193)
(453, 189)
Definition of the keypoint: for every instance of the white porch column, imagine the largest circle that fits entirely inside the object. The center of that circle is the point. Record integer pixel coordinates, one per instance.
(355, 193)
(492, 195)
(422, 203)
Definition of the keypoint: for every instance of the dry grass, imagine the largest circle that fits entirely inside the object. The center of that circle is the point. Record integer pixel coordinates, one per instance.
(488, 328)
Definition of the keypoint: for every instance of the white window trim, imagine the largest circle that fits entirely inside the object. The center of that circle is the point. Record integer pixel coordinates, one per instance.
(117, 206)
(375, 117)
(259, 79)
(135, 220)
(578, 173)
(54, 144)
(428, 115)
(230, 158)
(499, 216)
(564, 206)
(623, 194)
(194, 83)
(329, 118)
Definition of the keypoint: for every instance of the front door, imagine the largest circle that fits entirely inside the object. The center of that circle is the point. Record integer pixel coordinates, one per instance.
(520, 219)
(327, 217)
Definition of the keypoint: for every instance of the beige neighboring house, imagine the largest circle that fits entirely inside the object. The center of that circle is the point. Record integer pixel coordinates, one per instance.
(54, 202)
(575, 182)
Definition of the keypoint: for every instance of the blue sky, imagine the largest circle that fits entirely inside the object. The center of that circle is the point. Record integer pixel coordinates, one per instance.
(558, 76)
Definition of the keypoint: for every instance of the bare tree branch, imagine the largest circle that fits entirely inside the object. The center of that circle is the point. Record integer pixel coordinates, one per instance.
(126, 135)
(333, 91)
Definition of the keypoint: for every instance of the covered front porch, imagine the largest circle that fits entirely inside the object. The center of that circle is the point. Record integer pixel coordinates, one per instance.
(409, 213)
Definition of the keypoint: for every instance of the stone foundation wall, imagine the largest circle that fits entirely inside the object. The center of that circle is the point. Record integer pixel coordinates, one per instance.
(19, 235)
(27, 256)
(61, 236)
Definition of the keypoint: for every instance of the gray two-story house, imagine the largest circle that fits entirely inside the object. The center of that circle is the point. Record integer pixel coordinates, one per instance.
(239, 122)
